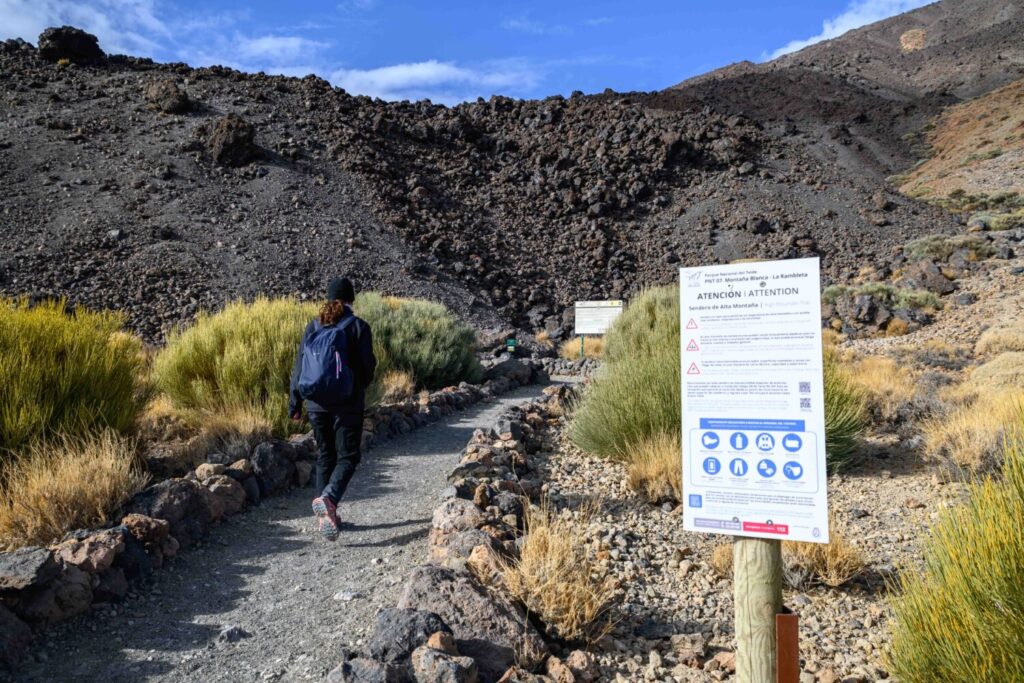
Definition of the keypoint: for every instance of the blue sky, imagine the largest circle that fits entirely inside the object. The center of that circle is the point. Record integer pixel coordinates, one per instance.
(454, 50)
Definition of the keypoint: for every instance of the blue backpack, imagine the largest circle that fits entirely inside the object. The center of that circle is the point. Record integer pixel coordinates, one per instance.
(326, 377)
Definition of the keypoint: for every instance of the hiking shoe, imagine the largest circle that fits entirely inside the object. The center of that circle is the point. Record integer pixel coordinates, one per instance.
(327, 518)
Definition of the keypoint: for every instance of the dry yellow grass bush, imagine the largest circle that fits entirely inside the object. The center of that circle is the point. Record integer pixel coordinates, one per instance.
(1001, 339)
(655, 468)
(557, 578)
(1005, 371)
(397, 385)
(970, 436)
(833, 563)
(593, 347)
(544, 339)
(831, 338)
(912, 40)
(66, 484)
(721, 560)
(887, 387)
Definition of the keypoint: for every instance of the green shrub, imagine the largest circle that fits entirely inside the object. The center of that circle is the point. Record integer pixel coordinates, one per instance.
(636, 395)
(941, 247)
(961, 618)
(243, 355)
(886, 294)
(423, 338)
(64, 373)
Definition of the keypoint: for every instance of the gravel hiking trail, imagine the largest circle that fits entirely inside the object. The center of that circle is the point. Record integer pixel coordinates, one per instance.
(264, 598)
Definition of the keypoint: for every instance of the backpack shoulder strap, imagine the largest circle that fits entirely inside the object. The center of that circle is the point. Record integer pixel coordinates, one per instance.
(346, 322)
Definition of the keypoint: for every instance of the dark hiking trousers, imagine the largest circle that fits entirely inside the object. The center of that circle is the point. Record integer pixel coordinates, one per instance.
(338, 441)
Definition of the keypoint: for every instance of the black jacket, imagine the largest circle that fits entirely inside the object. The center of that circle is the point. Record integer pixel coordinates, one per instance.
(362, 361)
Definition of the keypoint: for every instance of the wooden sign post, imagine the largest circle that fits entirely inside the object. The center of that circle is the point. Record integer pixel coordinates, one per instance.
(757, 585)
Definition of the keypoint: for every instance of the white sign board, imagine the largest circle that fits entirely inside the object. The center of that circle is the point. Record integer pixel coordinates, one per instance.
(595, 317)
(753, 400)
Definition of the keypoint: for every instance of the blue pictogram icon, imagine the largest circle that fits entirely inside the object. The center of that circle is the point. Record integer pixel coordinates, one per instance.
(709, 440)
(712, 466)
(765, 441)
(739, 441)
(792, 442)
(696, 500)
(766, 468)
(738, 467)
(793, 470)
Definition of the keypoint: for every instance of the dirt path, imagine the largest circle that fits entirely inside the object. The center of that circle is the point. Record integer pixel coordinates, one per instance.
(264, 571)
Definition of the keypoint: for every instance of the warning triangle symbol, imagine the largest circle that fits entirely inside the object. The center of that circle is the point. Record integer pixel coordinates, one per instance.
(692, 325)
(692, 346)
(693, 369)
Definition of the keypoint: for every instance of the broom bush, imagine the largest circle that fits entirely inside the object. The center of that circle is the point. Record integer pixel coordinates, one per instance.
(961, 618)
(636, 396)
(69, 373)
(243, 355)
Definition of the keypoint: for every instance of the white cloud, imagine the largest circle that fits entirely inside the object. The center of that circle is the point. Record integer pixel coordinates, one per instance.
(858, 13)
(130, 26)
(598, 21)
(444, 82)
(537, 28)
(277, 49)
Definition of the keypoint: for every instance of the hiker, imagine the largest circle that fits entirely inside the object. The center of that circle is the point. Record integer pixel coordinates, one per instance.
(334, 366)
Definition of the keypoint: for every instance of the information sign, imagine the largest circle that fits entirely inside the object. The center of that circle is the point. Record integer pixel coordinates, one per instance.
(753, 400)
(595, 317)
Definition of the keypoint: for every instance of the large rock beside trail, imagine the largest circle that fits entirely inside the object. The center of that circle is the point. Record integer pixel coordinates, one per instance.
(400, 631)
(926, 274)
(272, 463)
(227, 495)
(183, 503)
(231, 141)
(512, 369)
(65, 597)
(364, 670)
(435, 666)
(70, 43)
(15, 636)
(489, 628)
(457, 514)
(167, 97)
(27, 567)
(94, 554)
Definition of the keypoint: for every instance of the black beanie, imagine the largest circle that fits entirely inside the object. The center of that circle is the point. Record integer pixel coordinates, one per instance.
(341, 289)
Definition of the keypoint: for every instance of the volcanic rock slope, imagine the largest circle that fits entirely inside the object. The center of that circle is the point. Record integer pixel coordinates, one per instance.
(857, 102)
(505, 210)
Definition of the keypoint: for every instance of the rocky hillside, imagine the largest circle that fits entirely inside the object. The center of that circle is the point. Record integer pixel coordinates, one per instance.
(853, 101)
(163, 189)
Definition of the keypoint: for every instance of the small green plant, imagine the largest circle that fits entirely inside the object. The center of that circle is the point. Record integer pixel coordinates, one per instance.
(845, 412)
(886, 294)
(961, 618)
(941, 247)
(64, 372)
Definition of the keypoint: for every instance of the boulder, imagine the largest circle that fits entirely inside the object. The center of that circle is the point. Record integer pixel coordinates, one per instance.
(165, 96)
(457, 514)
(94, 554)
(446, 548)
(518, 674)
(303, 472)
(26, 568)
(252, 490)
(272, 464)
(227, 493)
(70, 43)
(185, 504)
(112, 586)
(434, 666)
(146, 529)
(207, 470)
(304, 445)
(926, 274)
(400, 631)
(15, 636)
(443, 641)
(583, 666)
(485, 563)
(67, 596)
(489, 628)
(230, 142)
(558, 672)
(364, 670)
(136, 560)
(510, 369)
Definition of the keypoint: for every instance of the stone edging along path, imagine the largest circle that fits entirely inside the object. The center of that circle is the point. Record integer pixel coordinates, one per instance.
(41, 586)
(453, 622)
